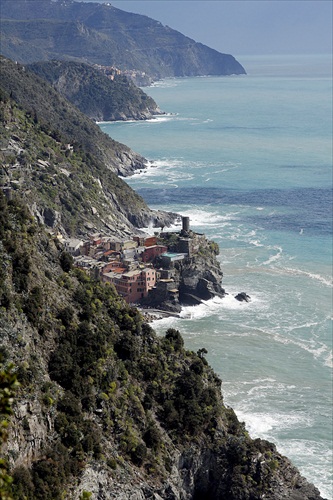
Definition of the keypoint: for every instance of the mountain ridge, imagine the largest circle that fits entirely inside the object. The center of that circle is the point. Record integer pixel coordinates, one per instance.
(101, 34)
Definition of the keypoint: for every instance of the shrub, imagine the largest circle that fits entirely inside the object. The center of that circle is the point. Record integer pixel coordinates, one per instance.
(66, 261)
(34, 305)
(139, 454)
(152, 437)
(23, 487)
(175, 339)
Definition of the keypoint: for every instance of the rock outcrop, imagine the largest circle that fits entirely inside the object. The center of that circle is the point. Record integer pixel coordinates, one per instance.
(190, 275)
(243, 297)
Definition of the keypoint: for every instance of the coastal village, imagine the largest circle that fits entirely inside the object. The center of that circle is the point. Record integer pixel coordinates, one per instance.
(138, 267)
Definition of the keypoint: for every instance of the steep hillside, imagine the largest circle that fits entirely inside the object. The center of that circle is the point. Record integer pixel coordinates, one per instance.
(69, 188)
(106, 409)
(101, 34)
(64, 120)
(99, 97)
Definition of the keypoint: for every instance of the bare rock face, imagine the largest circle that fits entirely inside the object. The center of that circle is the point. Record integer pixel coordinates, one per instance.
(52, 218)
(31, 432)
(200, 279)
(199, 473)
(155, 218)
(129, 163)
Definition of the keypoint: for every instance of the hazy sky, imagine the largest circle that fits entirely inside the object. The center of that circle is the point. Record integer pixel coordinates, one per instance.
(245, 26)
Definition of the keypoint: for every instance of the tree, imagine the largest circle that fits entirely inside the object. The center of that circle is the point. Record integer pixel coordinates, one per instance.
(66, 262)
(175, 338)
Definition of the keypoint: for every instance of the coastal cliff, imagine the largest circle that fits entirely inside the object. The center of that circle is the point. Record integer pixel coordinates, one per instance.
(105, 408)
(99, 97)
(65, 123)
(61, 164)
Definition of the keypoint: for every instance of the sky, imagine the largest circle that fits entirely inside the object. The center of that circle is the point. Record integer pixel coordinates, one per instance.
(244, 27)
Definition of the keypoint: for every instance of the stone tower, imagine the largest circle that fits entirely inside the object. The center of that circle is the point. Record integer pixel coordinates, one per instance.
(185, 226)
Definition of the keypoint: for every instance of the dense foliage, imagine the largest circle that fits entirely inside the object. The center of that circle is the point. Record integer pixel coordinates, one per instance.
(114, 391)
(106, 361)
(8, 387)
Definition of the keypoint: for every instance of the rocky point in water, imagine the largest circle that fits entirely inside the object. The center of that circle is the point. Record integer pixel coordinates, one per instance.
(189, 270)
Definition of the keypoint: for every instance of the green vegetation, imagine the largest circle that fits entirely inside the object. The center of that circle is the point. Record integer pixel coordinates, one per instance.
(8, 387)
(99, 390)
(57, 117)
(114, 391)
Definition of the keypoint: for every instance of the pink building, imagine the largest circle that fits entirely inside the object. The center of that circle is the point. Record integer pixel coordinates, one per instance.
(133, 285)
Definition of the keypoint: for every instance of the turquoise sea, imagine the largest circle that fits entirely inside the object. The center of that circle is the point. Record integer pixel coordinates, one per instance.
(249, 160)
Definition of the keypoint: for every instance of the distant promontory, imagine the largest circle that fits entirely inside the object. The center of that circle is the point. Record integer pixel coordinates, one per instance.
(101, 34)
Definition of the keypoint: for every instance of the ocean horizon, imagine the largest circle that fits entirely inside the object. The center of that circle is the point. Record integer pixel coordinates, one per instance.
(249, 159)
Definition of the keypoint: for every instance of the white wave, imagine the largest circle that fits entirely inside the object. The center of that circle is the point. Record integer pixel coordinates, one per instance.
(313, 459)
(166, 172)
(225, 167)
(275, 257)
(260, 424)
(115, 121)
(166, 83)
(230, 303)
(326, 281)
(199, 217)
(256, 243)
(161, 118)
(320, 352)
(261, 380)
(261, 390)
(161, 325)
(215, 306)
(195, 312)
(328, 360)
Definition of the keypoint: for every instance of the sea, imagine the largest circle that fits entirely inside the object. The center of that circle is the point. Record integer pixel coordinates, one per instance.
(249, 159)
